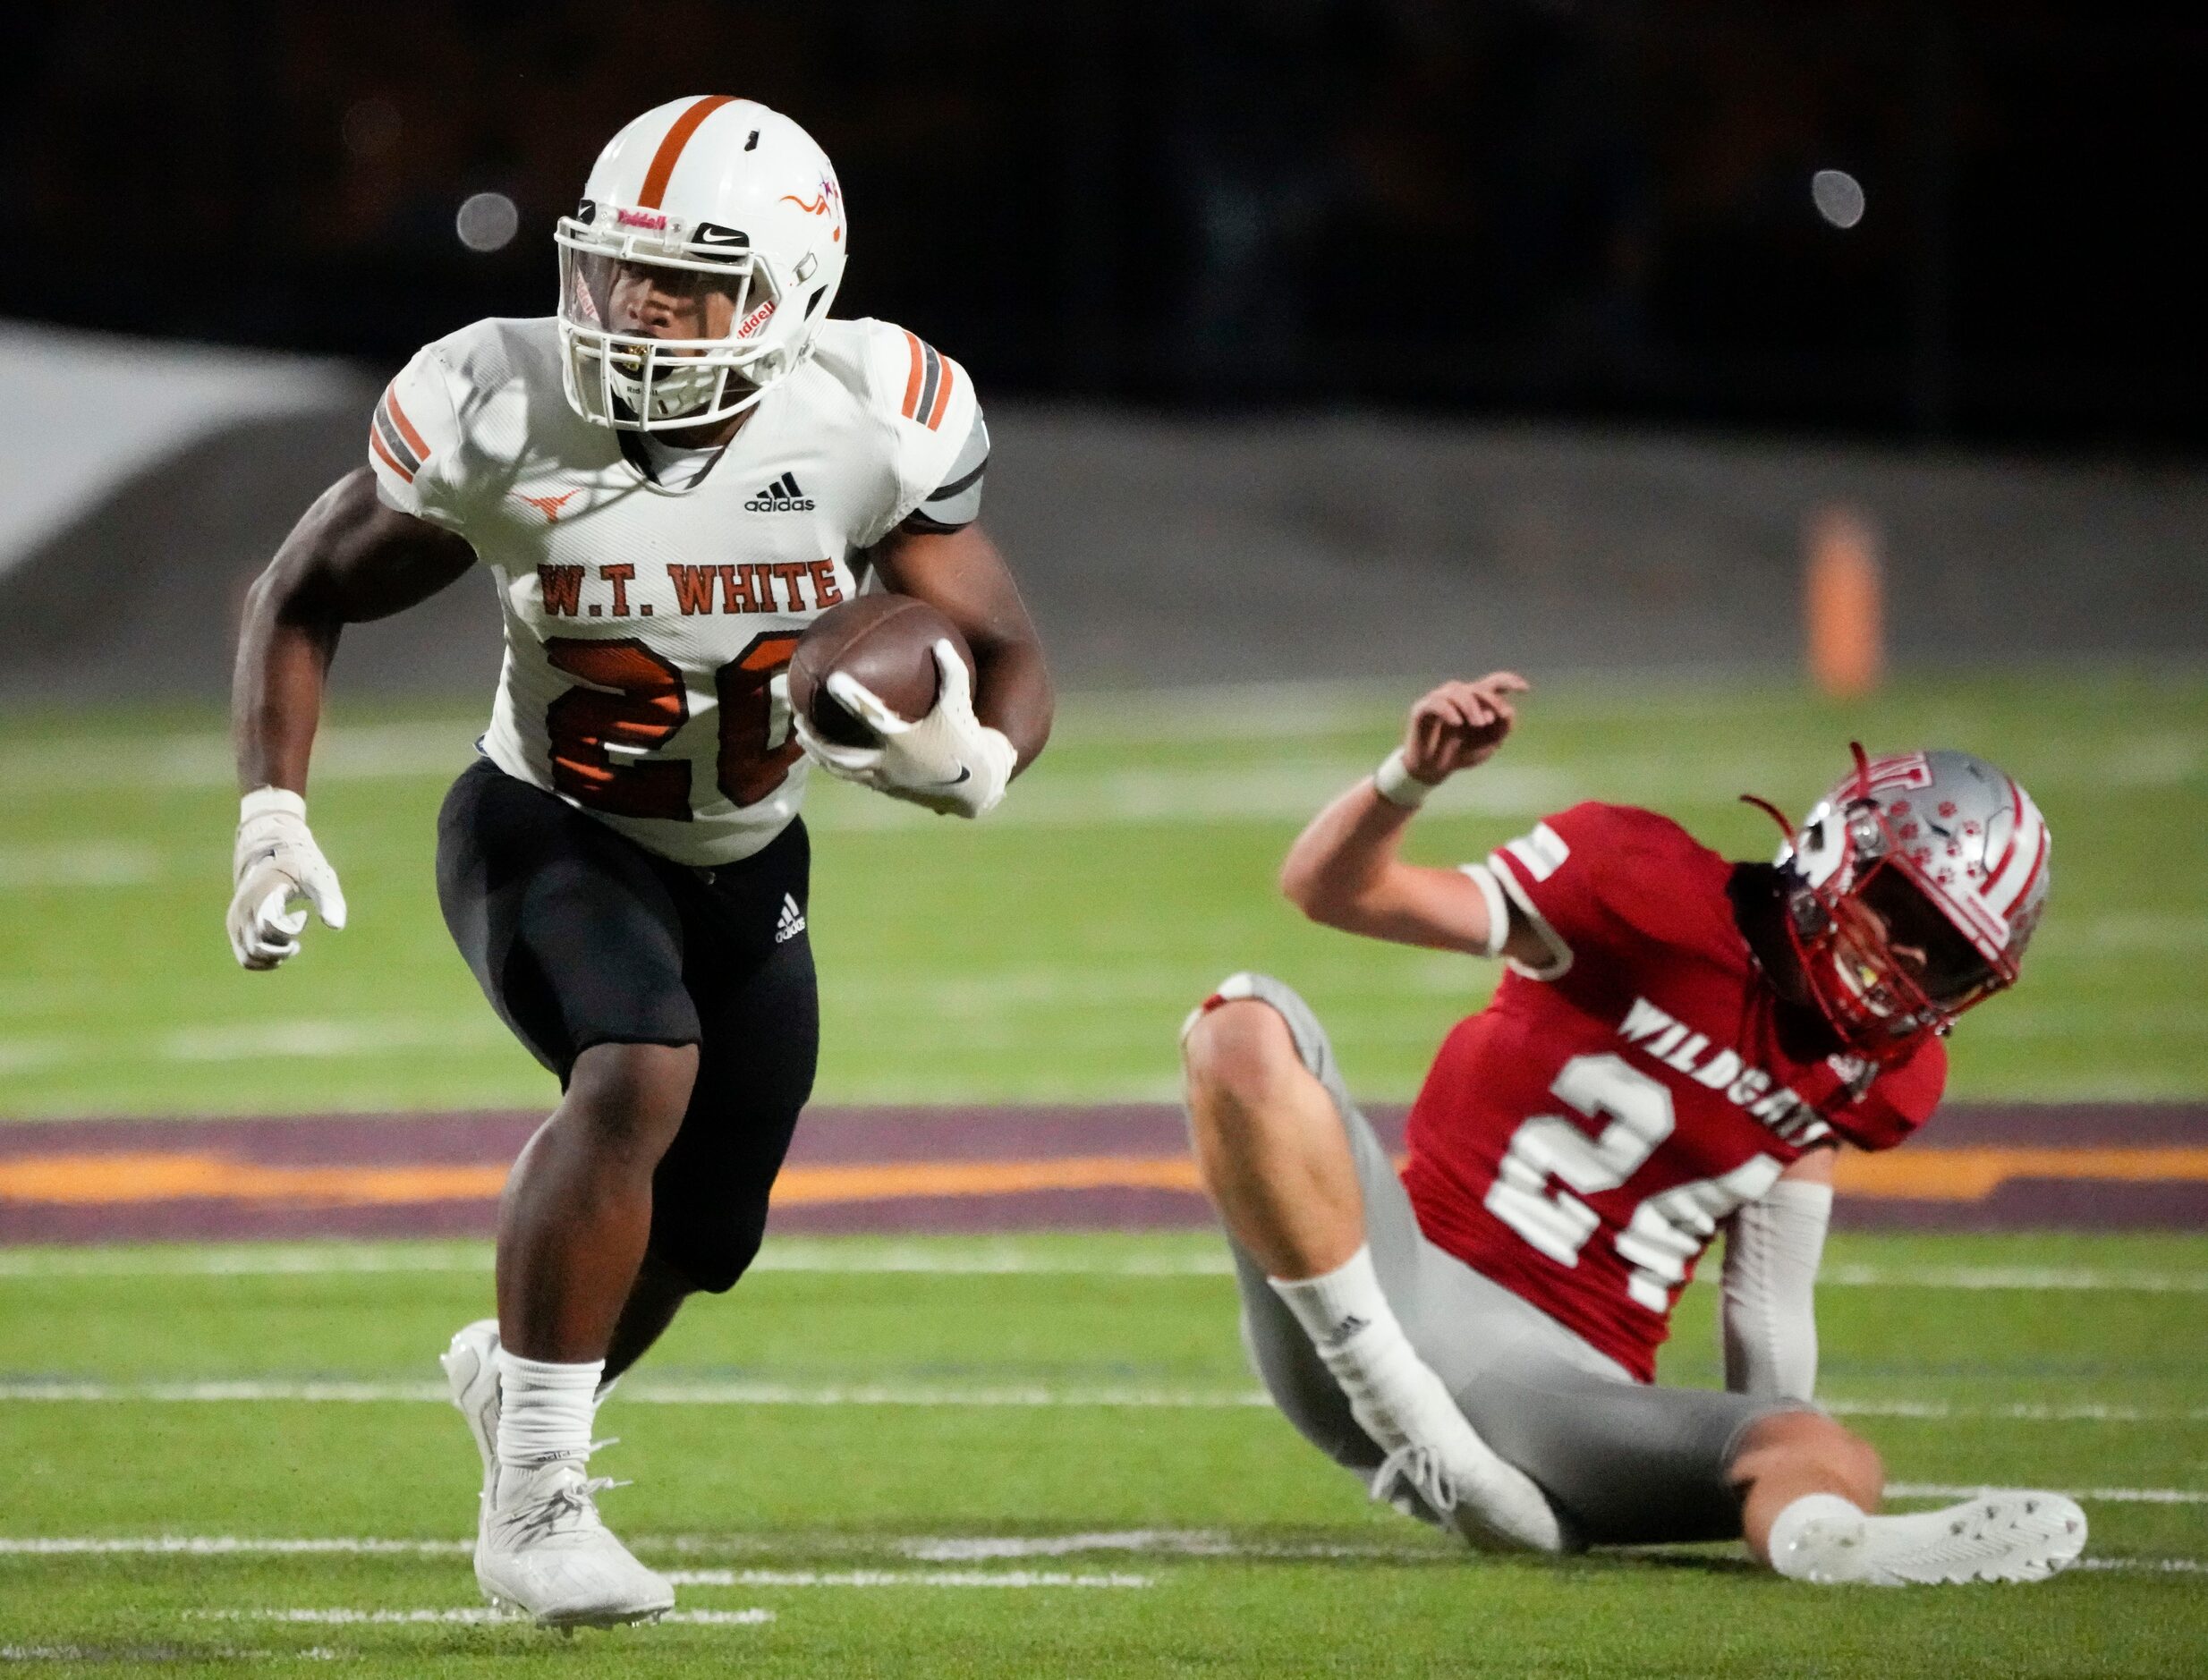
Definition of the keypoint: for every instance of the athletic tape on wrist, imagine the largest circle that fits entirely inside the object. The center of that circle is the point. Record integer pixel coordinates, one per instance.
(1394, 783)
(264, 802)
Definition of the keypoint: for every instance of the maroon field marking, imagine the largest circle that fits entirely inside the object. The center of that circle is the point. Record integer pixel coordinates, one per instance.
(839, 1136)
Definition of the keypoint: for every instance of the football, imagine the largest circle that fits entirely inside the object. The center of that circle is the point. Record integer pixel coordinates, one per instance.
(884, 643)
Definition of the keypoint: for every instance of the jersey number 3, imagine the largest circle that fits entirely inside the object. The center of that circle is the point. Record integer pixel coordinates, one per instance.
(602, 735)
(1666, 1231)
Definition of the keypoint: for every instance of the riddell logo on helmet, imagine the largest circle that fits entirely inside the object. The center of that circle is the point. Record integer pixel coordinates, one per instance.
(652, 219)
(756, 319)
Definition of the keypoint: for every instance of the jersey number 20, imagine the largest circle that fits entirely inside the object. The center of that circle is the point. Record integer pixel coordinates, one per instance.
(601, 735)
(1666, 1231)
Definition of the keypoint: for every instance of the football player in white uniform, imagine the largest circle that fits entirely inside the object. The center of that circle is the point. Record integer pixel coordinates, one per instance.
(667, 481)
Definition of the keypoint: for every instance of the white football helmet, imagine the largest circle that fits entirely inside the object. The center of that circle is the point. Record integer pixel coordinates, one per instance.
(1911, 889)
(715, 197)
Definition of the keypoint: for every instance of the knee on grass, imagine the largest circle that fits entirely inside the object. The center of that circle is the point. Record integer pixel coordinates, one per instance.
(1808, 1449)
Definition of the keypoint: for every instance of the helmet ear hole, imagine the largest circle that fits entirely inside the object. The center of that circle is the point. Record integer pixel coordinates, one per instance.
(813, 302)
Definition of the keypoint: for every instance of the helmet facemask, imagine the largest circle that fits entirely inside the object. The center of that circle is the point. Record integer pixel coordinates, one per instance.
(1887, 952)
(705, 282)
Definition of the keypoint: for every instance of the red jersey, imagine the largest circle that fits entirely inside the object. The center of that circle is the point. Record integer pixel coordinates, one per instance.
(1580, 1138)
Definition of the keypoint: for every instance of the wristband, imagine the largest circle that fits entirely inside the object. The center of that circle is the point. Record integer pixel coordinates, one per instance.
(1394, 783)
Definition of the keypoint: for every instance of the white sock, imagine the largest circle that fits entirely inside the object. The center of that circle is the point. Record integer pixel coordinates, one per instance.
(1785, 1541)
(544, 1410)
(1393, 1392)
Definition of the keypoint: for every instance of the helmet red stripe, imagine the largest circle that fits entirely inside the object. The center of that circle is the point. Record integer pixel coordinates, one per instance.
(2031, 876)
(2016, 828)
(671, 148)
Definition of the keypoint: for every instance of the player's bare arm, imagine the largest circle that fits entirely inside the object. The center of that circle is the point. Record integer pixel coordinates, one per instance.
(1345, 869)
(349, 559)
(962, 574)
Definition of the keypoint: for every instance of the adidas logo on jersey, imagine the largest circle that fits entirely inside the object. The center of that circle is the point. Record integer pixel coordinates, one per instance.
(781, 496)
(792, 921)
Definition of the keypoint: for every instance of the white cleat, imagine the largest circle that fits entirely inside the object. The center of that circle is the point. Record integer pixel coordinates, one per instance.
(1998, 1536)
(1494, 1506)
(541, 1549)
(471, 1368)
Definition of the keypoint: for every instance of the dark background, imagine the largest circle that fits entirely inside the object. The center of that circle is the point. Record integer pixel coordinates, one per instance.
(1575, 208)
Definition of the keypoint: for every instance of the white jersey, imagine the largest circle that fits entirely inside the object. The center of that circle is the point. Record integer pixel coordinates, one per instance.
(647, 627)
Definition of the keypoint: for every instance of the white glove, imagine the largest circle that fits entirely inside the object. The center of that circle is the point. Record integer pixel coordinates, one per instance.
(279, 871)
(949, 761)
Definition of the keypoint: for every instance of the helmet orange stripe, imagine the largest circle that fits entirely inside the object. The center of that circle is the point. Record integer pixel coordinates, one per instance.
(671, 148)
(912, 383)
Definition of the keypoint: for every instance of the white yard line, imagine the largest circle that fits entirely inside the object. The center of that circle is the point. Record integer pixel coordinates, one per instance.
(2028, 1279)
(1082, 794)
(228, 1546)
(2104, 1496)
(2082, 1412)
(986, 1257)
(30, 868)
(474, 1615)
(271, 1260)
(228, 1392)
(755, 1392)
(362, 1035)
(705, 1392)
(938, 1549)
(1012, 1578)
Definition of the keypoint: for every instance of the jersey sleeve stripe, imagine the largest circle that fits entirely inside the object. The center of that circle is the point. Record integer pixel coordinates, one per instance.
(671, 148)
(929, 379)
(1504, 866)
(943, 392)
(912, 383)
(414, 440)
(383, 452)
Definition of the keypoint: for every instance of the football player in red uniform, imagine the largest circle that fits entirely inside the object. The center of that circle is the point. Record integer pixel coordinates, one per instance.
(1682, 1043)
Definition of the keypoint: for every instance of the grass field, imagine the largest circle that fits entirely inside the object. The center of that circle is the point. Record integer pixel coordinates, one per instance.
(1038, 1455)
(1047, 953)
(1031, 1456)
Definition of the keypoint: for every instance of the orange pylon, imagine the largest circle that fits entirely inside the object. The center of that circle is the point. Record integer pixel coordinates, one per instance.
(1843, 603)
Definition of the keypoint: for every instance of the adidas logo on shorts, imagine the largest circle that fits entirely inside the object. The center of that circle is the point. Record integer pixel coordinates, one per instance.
(792, 921)
(781, 496)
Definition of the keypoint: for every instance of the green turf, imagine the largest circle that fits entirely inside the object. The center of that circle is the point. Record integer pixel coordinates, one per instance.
(1220, 1509)
(1047, 953)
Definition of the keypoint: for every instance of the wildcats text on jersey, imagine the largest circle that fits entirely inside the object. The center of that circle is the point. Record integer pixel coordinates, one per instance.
(1683, 1050)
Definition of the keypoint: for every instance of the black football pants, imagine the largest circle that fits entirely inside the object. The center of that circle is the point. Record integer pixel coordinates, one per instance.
(578, 936)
